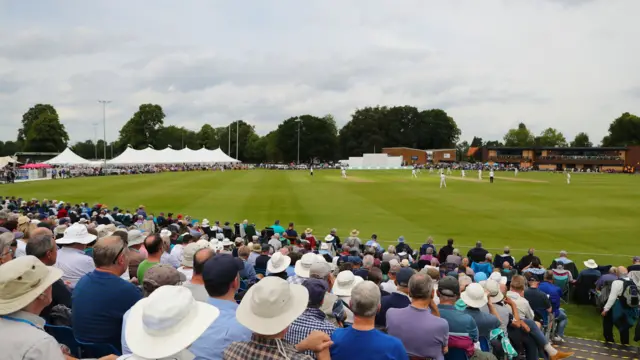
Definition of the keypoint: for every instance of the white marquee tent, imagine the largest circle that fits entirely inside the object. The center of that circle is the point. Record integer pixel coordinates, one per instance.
(170, 156)
(68, 157)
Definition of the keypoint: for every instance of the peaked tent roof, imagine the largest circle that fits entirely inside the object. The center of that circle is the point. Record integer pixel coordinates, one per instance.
(68, 157)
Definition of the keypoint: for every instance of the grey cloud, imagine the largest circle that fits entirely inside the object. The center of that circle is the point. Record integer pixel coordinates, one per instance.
(8, 86)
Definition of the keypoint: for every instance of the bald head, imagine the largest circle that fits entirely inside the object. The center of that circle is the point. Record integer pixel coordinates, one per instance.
(41, 231)
(107, 250)
(200, 258)
(622, 271)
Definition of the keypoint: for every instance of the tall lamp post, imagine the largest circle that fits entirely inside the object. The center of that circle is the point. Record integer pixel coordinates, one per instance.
(95, 138)
(237, 132)
(299, 122)
(104, 128)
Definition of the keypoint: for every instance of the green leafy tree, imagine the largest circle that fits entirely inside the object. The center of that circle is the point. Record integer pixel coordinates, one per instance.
(9, 148)
(318, 138)
(46, 134)
(273, 153)
(239, 131)
(461, 151)
(551, 137)
(581, 140)
(86, 149)
(519, 137)
(623, 131)
(141, 129)
(476, 142)
(256, 149)
(493, 143)
(29, 118)
(207, 137)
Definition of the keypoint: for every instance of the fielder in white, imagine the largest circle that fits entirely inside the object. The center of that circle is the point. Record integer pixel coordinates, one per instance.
(515, 172)
(463, 173)
(311, 170)
(479, 174)
(413, 173)
(443, 181)
(568, 178)
(448, 171)
(431, 170)
(344, 173)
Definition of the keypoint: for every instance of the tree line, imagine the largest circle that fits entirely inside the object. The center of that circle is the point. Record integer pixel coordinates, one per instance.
(369, 130)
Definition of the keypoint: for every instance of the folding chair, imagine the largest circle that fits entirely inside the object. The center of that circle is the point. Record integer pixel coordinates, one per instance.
(563, 283)
(97, 350)
(64, 336)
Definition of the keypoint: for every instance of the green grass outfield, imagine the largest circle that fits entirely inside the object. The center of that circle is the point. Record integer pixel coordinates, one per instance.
(594, 217)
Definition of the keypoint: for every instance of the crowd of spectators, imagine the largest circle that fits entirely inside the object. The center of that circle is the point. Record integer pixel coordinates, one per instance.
(150, 287)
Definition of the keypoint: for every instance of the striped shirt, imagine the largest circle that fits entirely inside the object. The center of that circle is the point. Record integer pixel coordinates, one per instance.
(310, 320)
(262, 349)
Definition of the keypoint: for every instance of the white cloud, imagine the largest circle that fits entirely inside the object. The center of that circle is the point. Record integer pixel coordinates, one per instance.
(490, 64)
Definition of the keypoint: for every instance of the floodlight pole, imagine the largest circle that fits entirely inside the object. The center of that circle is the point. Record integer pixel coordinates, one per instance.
(229, 148)
(299, 122)
(237, 132)
(104, 128)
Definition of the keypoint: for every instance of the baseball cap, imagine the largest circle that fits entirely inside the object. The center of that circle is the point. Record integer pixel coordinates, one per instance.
(221, 269)
(317, 288)
(163, 274)
(266, 247)
(319, 270)
(403, 276)
(449, 286)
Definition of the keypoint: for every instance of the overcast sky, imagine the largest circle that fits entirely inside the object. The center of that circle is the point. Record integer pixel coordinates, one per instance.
(570, 64)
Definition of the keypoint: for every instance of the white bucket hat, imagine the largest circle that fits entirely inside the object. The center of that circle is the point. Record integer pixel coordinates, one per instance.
(271, 305)
(495, 295)
(167, 322)
(474, 296)
(226, 242)
(345, 282)
(591, 264)
(304, 264)
(135, 237)
(329, 238)
(76, 234)
(22, 280)
(278, 263)
(188, 253)
(205, 223)
(495, 276)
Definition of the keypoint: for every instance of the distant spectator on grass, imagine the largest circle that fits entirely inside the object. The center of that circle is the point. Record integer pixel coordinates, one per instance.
(527, 259)
(353, 241)
(445, 251)
(373, 243)
(403, 246)
(277, 228)
(500, 259)
(535, 268)
(591, 269)
(428, 244)
(566, 263)
(477, 254)
(454, 258)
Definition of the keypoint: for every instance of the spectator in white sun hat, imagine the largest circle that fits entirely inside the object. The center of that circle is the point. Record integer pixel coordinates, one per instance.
(166, 323)
(345, 282)
(268, 308)
(277, 265)
(187, 260)
(71, 258)
(302, 268)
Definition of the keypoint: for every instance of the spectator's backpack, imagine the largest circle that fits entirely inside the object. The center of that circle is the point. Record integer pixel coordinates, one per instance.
(630, 297)
(603, 295)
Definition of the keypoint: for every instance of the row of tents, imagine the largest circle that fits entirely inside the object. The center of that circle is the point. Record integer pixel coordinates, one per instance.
(149, 155)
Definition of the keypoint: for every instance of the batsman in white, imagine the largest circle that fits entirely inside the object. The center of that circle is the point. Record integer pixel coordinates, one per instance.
(443, 180)
(311, 170)
(480, 174)
(568, 178)
(344, 172)
(413, 173)
(515, 173)
(463, 173)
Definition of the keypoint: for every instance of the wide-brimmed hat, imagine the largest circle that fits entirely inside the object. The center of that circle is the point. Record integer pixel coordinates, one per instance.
(22, 280)
(329, 238)
(304, 264)
(59, 230)
(226, 242)
(23, 220)
(495, 295)
(308, 231)
(278, 263)
(135, 237)
(591, 264)
(474, 296)
(272, 305)
(76, 234)
(167, 322)
(188, 253)
(495, 276)
(324, 248)
(345, 282)
(205, 223)
(355, 232)
(257, 248)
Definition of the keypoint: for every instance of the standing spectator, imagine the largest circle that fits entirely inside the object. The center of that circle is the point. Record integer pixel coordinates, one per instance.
(71, 258)
(634, 270)
(43, 246)
(313, 318)
(196, 284)
(101, 297)
(477, 254)
(153, 244)
(555, 295)
(500, 259)
(221, 280)
(445, 251)
(396, 300)
(362, 340)
(621, 308)
(422, 332)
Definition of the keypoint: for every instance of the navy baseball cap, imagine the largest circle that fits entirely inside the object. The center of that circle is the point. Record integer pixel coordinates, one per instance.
(317, 288)
(221, 269)
(403, 276)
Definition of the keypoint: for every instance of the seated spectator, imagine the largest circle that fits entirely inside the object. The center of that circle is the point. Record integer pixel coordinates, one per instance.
(274, 243)
(454, 258)
(166, 258)
(566, 263)
(43, 247)
(621, 308)
(475, 298)
(403, 246)
(507, 271)
(428, 244)
(500, 259)
(101, 297)
(277, 265)
(422, 332)
(535, 268)
(196, 285)
(158, 276)
(390, 285)
(555, 295)
(263, 259)
(8, 245)
(344, 284)
(375, 275)
(483, 266)
(166, 323)
(586, 282)
(221, 280)
(248, 273)
(445, 251)
(313, 317)
(302, 268)
(268, 310)
(390, 254)
(291, 269)
(331, 306)
(256, 249)
(187, 260)
(71, 258)
(607, 278)
(135, 239)
(396, 300)
(367, 264)
(538, 300)
(362, 340)
(154, 245)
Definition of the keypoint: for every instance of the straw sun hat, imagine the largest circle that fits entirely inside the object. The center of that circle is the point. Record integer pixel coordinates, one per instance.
(22, 280)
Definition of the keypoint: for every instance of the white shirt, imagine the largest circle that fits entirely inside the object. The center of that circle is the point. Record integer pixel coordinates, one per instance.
(524, 309)
(21, 250)
(74, 264)
(275, 243)
(21, 341)
(187, 272)
(616, 291)
(491, 173)
(442, 176)
(177, 251)
(389, 286)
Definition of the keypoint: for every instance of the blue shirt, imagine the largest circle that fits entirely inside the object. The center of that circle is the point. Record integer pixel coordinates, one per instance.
(486, 268)
(460, 324)
(555, 294)
(248, 272)
(99, 302)
(589, 272)
(310, 320)
(221, 333)
(352, 344)
(291, 271)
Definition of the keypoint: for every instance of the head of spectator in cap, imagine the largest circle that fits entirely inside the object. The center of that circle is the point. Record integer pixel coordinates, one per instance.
(448, 290)
(161, 275)
(25, 284)
(402, 279)
(317, 289)
(345, 282)
(43, 246)
(221, 276)
(165, 324)
(277, 265)
(636, 260)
